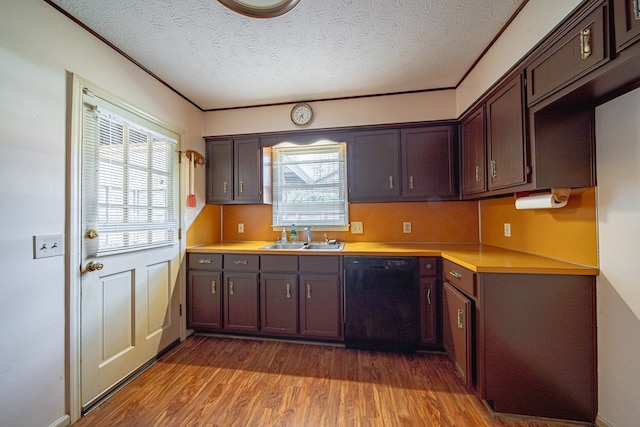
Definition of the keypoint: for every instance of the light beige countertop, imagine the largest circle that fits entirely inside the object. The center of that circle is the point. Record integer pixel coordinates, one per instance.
(475, 257)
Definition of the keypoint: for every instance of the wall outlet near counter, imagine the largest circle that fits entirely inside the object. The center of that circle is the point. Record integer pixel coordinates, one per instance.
(356, 227)
(406, 227)
(240, 228)
(507, 229)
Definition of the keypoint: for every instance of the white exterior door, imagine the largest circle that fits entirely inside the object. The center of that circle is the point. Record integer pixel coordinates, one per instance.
(130, 302)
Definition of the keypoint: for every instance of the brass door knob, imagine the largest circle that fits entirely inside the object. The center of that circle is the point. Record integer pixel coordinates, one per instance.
(92, 234)
(92, 266)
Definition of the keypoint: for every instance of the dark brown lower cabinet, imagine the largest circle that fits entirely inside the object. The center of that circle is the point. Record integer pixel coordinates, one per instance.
(279, 303)
(241, 302)
(458, 330)
(320, 306)
(205, 303)
(537, 345)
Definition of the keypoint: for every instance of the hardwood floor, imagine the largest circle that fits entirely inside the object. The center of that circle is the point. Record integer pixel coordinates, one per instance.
(212, 381)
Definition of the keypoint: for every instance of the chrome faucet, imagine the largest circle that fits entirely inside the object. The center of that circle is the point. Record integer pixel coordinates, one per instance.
(308, 231)
(326, 239)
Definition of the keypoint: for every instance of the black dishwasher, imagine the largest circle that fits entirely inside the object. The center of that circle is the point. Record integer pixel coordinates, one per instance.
(381, 303)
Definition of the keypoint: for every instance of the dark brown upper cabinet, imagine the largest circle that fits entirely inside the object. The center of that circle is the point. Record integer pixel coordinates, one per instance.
(506, 136)
(574, 53)
(374, 166)
(473, 157)
(429, 163)
(235, 172)
(409, 164)
(627, 23)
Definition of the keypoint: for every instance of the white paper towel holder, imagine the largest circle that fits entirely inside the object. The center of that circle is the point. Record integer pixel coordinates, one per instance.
(558, 198)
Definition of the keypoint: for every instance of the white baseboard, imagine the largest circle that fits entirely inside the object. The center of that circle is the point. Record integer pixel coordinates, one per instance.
(62, 422)
(602, 423)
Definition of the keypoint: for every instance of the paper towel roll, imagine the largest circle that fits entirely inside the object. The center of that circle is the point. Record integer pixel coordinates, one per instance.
(542, 201)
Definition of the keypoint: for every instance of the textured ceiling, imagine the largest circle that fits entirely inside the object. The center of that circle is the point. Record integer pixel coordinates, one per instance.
(321, 49)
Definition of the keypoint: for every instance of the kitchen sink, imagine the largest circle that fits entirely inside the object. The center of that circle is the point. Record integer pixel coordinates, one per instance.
(305, 246)
(324, 246)
(284, 246)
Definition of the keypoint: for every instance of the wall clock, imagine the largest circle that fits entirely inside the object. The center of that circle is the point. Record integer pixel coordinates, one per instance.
(301, 114)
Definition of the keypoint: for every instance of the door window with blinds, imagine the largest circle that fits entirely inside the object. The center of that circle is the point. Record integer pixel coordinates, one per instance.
(310, 185)
(129, 179)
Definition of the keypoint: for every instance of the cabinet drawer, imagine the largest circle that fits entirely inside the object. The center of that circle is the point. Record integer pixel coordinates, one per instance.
(240, 262)
(462, 278)
(279, 263)
(627, 23)
(205, 261)
(580, 50)
(428, 266)
(320, 264)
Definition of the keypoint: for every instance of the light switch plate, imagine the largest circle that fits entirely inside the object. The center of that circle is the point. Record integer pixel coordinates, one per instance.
(48, 245)
(507, 229)
(406, 227)
(356, 227)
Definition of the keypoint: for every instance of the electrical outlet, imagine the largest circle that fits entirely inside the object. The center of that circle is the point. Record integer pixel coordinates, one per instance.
(356, 227)
(48, 245)
(406, 227)
(507, 229)
(240, 228)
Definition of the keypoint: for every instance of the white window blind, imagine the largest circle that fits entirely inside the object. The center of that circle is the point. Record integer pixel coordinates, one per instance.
(309, 185)
(129, 180)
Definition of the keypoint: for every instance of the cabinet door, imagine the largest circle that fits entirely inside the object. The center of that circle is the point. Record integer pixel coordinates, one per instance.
(582, 49)
(506, 136)
(458, 330)
(219, 171)
(429, 311)
(320, 306)
(627, 22)
(374, 166)
(241, 302)
(279, 303)
(247, 176)
(204, 302)
(428, 157)
(474, 175)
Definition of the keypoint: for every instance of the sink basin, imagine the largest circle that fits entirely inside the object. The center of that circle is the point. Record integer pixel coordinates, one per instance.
(324, 247)
(284, 246)
(305, 246)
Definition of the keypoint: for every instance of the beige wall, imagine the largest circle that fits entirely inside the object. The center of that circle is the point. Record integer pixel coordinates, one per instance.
(38, 47)
(618, 165)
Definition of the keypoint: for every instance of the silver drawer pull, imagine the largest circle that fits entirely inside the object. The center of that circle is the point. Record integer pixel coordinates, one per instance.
(241, 261)
(455, 274)
(204, 261)
(429, 296)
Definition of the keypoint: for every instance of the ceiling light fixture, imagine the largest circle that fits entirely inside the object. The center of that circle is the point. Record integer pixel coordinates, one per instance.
(260, 8)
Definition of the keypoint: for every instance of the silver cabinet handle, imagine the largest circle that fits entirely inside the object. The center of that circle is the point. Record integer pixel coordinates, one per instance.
(288, 290)
(494, 171)
(308, 291)
(231, 288)
(242, 186)
(478, 173)
(213, 287)
(455, 274)
(240, 261)
(225, 186)
(204, 261)
(429, 296)
(636, 9)
(391, 182)
(585, 43)
(411, 182)
(460, 318)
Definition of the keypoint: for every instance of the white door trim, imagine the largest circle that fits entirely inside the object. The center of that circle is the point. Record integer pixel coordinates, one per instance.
(76, 84)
